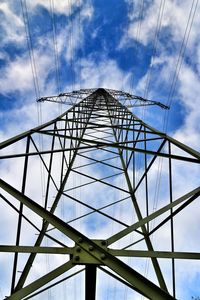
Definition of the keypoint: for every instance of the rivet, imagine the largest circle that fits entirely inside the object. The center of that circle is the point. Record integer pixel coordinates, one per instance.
(103, 243)
(76, 258)
(103, 256)
(91, 248)
(78, 249)
(80, 240)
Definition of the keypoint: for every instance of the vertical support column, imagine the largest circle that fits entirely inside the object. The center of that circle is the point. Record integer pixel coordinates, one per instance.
(49, 170)
(172, 222)
(19, 225)
(39, 240)
(64, 159)
(134, 160)
(146, 178)
(90, 282)
(136, 206)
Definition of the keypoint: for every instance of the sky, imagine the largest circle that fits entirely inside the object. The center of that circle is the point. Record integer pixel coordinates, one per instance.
(145, 45)
(149, 48)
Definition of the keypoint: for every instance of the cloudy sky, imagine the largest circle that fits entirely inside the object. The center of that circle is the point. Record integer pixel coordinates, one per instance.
(150, 48)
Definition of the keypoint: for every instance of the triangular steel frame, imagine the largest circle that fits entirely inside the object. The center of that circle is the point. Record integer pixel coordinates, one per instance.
(99, 121)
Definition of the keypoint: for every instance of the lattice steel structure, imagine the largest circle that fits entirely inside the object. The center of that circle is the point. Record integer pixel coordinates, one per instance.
(82, 188)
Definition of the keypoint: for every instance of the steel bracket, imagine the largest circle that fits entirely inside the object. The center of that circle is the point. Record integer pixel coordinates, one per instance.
(89, 255)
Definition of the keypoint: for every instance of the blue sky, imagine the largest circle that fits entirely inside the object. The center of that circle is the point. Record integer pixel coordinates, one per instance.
(132, 45)
(136, 44)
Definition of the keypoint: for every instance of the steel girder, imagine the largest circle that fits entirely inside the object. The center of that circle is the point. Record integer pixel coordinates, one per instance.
(95, 142)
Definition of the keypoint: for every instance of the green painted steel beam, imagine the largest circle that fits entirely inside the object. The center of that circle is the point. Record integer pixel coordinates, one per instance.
(94, 251)
(54, 284)
(124, 232)
(38, 128)
(36, 249)
(35, 285)
(148, 242)
(93, 144)
(148, 288)
(42, 233)
(158, 254)
(90, 282)
(182, 146)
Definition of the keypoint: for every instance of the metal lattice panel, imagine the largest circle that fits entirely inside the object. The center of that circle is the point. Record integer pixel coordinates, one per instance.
(84, 191)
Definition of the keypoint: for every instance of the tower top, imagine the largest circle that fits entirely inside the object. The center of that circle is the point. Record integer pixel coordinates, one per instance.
(70, 98)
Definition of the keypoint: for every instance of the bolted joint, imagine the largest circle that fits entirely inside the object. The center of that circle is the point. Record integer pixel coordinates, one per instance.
(76, 258)
(103, 256)
(103, 243)
(80, 240)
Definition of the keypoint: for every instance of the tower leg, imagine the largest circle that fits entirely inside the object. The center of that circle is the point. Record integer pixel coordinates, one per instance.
(90, 282)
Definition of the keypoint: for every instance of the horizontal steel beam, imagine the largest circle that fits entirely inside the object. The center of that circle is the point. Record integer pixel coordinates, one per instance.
(180, 145)
(35, 249)
(158, 254)
(109, 145)
(148, 288)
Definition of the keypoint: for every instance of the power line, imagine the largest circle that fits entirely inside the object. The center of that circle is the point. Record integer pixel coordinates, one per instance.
(30, 47)
(35, 78)
(138, 30)
(155, 43)
(79, 33)
(56, 57)
(140, 22)
(180, 58)
(146, 91)
(171, 93)
(71, 41)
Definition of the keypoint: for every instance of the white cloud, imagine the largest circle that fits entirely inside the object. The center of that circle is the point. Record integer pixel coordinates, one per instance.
(12, 25)
(163, 64)
(17, 72)
(60, 7)
(103, 72)
(174, 18)
(71, 37)
(18, 75)
(189, 86)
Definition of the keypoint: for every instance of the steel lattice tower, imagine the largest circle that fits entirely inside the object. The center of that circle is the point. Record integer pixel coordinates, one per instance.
(81, 191)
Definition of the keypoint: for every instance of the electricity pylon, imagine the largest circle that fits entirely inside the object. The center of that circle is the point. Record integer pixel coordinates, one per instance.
(83, 189)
